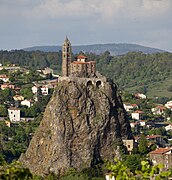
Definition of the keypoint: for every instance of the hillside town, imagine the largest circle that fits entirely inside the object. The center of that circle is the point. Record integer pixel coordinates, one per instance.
(24, 91)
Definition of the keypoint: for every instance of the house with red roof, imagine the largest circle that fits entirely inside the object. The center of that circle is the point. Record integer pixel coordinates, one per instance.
(129, 107)
(7, 86)
(158, 110)
(162, 156)
(4, 77)
(140, 96)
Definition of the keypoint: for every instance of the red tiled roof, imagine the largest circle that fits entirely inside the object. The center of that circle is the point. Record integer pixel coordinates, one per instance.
(3, 76)
(80, 62)
(134, 105)
(160, 150)
(152, 136)
(134, 123)
(81, 56)
(161, 107)
(13, 108)
(138, 111)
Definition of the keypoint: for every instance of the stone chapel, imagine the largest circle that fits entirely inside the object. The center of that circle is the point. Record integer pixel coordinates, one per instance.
(80, 67)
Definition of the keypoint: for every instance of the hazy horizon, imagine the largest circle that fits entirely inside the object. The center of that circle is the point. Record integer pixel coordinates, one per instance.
(28, 23)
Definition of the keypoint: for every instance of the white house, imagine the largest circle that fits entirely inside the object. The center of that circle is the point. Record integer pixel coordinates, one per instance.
(168, 127)
(34, 89)
(14, 114)
(6, 86)
(140, 96)
(169, 105)
(158, 110)
(18, 97)
(128, 107)
(137, 115)
(44, 89)
(129, 144)
(47, 70)
(4, 77)
(142, 123)
(134, 124)
(27, 103)
(109, 177)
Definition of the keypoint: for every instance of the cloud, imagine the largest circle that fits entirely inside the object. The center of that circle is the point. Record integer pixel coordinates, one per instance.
(86, 21)
(106, 10)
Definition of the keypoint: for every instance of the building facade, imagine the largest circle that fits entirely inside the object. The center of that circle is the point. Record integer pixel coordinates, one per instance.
(14, 114)
(162, 156)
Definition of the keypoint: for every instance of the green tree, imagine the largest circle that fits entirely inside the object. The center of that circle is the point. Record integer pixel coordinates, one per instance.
(27, 92)
(143, 145)
(14, 171)
(133, 162)
(3, 111)
(147, 171)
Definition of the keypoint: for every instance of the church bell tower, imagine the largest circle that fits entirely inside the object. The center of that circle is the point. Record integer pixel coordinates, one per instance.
(66, 57)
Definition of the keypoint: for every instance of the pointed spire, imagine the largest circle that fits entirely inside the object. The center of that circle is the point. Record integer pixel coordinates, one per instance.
(67, 40)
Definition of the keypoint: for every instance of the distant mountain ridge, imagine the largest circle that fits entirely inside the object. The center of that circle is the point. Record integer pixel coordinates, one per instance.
(114, 49)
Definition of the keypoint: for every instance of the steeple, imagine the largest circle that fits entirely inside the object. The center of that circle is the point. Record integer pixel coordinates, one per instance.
(66, 57)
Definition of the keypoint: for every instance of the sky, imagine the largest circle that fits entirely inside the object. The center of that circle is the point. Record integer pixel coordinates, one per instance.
(27, 23)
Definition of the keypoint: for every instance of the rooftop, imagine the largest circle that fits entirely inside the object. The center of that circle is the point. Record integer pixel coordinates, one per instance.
(161, 150)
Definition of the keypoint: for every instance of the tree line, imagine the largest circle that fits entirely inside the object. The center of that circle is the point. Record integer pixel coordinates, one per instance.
(129, 70)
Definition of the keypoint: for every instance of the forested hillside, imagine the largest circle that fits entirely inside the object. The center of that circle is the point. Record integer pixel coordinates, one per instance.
(35, 59)
(147, 73)
(113, 48)
(134, 71)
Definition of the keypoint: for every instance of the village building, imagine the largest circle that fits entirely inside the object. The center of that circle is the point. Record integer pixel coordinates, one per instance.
(18, 97)
(8, 123)
(158, 110)
(4, 77)
(7, 86)
(168, 127)
(44, 89)
(137, 115)
(47, 70)
(34, 89)
(162, 156)
(27, 103)
(134, 124)
(14, 114)
(169, 105)
(140, 96)
(142, 123)
(129, 144)
(129, 107)
(156, 139)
